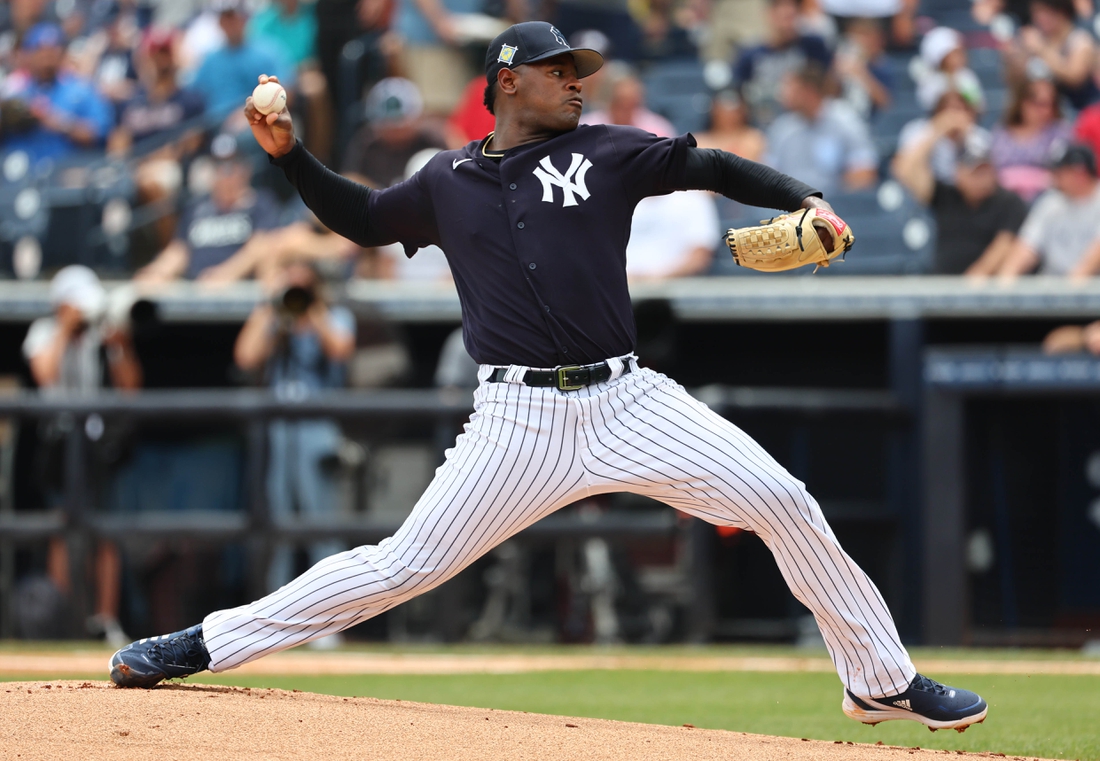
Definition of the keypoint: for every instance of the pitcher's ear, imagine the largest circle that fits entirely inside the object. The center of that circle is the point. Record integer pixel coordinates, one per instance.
(507, 81)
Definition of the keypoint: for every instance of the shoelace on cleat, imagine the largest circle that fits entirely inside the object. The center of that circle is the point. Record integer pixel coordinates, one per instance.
(186, 650)
(924, 684)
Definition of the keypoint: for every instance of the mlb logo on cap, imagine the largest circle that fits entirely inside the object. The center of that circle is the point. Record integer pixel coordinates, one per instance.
(507, 53)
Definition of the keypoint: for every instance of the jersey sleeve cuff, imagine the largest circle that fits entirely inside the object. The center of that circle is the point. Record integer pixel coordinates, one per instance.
(289, 157)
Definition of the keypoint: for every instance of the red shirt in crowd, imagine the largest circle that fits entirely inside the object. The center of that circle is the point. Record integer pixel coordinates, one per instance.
(471, 118)
(1087, 129)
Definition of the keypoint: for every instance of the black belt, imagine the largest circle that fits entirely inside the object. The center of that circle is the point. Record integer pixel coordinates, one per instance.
(569, 378)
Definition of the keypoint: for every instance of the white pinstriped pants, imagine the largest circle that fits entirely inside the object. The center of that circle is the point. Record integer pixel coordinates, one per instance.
(527, 452)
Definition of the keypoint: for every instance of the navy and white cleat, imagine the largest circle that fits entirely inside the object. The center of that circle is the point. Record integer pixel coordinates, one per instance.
(169, 656)
(935, 705)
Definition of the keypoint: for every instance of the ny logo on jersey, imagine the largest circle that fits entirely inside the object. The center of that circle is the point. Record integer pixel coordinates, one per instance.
(572, 182)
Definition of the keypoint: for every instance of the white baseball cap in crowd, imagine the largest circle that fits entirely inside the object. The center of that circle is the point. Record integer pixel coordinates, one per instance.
(937, 84)
(938, 43)
(79, 287)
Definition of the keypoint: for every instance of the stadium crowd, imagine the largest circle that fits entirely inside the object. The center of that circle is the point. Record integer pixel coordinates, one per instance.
(956, 140)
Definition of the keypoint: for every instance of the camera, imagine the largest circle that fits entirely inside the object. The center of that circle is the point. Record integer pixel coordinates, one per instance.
(295, 300)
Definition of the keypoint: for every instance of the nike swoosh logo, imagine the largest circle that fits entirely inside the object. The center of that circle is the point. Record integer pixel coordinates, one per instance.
(456, 162)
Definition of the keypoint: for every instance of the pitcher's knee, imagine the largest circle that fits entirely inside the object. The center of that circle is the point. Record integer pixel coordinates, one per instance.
(789, 498)
(401, 575)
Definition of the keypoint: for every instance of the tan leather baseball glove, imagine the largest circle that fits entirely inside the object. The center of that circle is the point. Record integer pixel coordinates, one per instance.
(812, 236)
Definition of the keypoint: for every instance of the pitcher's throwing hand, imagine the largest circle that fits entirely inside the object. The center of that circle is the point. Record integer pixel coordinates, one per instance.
(275, 131)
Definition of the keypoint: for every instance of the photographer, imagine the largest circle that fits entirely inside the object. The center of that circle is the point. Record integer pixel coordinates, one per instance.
(66, 353)
(301, 346)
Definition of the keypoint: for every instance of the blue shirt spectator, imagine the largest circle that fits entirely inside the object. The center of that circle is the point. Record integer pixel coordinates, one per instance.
(289, 25)
(66, 114)
(415, 27)
(228, 75)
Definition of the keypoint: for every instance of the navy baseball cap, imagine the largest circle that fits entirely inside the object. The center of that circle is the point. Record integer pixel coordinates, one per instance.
(1074, 154)
(534, 41)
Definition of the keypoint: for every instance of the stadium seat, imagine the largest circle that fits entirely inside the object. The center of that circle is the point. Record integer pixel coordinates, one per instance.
(894, 234)
(677, 91)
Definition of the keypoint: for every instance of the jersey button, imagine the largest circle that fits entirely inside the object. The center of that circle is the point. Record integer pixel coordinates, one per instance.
(520, 225)
(512, 186)
(532, 265)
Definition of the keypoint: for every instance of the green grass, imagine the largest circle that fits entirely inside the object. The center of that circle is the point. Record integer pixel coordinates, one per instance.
(1047, 716)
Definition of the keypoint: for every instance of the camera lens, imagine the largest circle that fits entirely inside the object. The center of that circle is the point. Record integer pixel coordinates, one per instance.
(296, 300)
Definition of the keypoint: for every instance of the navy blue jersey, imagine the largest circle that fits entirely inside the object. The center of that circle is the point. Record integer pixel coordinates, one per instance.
(537, 241)
(535, 237)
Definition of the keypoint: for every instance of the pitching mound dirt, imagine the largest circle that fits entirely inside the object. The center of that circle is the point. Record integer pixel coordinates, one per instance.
(89, 721)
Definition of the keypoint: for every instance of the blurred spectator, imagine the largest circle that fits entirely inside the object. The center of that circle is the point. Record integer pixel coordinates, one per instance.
(730, 129)
(228, 74)
(301, 346)
(814, 21)
(760, 70)
(611, 17)
(433, 33)
(1087, 128)
(47, 112)
(18, 16)
(289, 25)
(160, 107)
(900, 15)
(1022, 146)
(664, 38)
(627, 107)
(1053, 45)
(672, 235)
(820, 140)
(861, 66)
(1072, 339)
(66, 352)
(976, 220)
(944, 66)
(177, 13)
(212, 228)
(734, 24)
(961, 121)
(471, 120)
(984, 11)
(163, 119)
(114, 74)
(1061, 235)
(267, 253)
(394, 133)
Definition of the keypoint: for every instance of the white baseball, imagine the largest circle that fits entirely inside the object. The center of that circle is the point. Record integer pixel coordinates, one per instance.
(269, 98)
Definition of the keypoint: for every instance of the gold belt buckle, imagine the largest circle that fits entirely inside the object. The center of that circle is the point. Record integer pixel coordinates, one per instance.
(563, 384)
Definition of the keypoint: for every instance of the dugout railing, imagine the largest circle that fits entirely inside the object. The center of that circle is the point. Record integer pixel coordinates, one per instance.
(81, 524)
